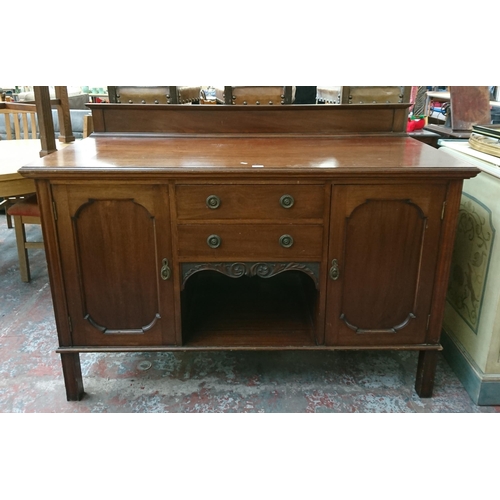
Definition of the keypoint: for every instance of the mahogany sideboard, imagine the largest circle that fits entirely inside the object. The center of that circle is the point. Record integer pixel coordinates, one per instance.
(244, 227)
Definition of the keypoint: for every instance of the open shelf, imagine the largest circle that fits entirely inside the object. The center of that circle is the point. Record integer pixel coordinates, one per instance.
(248, 311)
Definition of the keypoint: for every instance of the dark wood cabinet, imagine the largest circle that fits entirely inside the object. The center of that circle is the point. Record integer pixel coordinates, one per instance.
(383, 243)
(306, 233)
(117, 246)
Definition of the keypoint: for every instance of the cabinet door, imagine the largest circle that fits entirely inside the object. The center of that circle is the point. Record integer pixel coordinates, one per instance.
(384, 243)
(115, 249)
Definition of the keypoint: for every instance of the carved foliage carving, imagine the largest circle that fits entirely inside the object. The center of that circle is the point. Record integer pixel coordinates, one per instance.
(261, 269)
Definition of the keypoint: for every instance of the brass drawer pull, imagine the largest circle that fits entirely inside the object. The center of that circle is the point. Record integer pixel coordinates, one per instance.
(165, 272)
(287, 201)
(334, 270)
(214, 241)
(213, 202)
(286, 241)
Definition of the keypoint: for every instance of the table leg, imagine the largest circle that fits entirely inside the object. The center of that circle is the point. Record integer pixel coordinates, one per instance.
(426, 370)
(72, 376)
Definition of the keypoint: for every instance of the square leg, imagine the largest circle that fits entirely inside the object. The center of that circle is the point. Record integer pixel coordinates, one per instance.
(426, 371)
(72, 372)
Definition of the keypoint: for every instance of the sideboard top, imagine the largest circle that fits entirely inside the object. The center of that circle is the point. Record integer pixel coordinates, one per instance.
(313, 157)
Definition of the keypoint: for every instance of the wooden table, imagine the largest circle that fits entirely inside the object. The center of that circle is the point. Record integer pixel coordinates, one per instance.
(249, 227)
(13, 155)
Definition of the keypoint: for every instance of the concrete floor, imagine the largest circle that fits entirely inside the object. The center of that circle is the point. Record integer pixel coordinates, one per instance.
(270, 382)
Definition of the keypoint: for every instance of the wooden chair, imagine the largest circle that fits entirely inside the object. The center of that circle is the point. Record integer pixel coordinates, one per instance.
(370, 95)
(154, 95)
(258, 95)
(20, 123)
(25, 211)
(20, 120)
(6, 203)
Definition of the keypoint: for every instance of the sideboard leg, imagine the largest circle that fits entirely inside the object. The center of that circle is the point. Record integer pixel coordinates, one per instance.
(72, 376)
(426, 370)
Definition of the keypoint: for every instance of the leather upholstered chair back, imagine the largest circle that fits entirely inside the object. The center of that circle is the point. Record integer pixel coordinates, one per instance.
(369, 95)
(154, 95)
(143, 95)
(258, 95)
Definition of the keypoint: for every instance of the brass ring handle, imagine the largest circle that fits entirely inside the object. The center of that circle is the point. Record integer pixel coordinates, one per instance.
(334, 270)
(287, 201)
(286, 241)
(165, 272)
(213, 202)
(214, 241)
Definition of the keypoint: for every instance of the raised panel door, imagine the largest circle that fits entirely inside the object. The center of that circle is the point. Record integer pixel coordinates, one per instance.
(116, 264)
(384, 243)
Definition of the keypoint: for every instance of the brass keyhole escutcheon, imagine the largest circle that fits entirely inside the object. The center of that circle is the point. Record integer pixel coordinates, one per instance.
(213, 202)
(165, 270)
(287, 201)
(214, 241)
(286, 241)
(334, 270)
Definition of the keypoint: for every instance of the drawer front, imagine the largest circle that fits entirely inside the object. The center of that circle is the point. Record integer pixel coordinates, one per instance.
(280, 202)
(249, 242)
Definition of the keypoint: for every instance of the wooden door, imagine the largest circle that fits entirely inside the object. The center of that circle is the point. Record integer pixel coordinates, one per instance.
(116, 264)
(384, 243)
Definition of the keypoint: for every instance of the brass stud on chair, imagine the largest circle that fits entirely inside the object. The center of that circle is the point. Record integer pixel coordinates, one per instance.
(156, 101)
(244, 102)
(257, 102)
(282, 96)
(118, 96)
(130, 101)
(167, 96)
(143, 101)
(270, 102)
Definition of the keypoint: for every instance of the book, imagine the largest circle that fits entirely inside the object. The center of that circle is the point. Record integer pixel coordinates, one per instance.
(492, 130)
(485, 144)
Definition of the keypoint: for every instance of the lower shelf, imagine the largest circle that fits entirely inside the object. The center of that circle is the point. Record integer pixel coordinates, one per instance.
(249, 311)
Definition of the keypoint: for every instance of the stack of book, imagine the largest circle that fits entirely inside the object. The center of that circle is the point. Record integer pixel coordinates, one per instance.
(486, 138)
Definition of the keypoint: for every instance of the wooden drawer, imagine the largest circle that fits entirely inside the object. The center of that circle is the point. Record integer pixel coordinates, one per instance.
(256, 201)
(248, 242)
